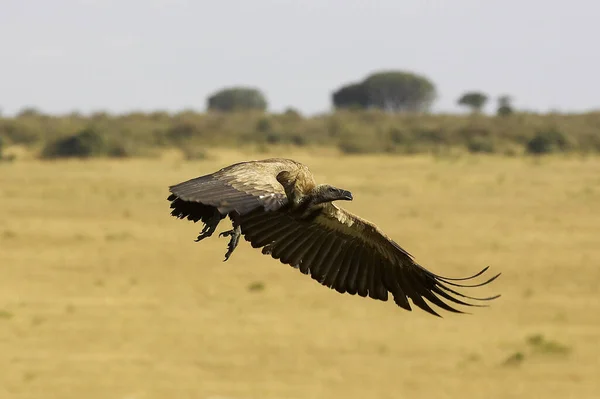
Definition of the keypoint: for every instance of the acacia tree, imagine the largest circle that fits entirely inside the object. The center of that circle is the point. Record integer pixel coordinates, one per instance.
(392, 91)
(353, 95)
(237, 99)
(504, 106)
(398, 91)
(474, 100)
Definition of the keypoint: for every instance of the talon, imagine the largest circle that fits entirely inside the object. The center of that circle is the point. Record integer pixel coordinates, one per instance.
(233, 242)
(209, 227)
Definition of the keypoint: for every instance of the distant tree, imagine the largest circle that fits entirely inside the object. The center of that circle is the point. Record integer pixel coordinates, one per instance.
(353, 95)
(398, 91)
(28, 112)
(392, 91)
(504, 106)
(474, 100)
(237, 99)
(292, 113)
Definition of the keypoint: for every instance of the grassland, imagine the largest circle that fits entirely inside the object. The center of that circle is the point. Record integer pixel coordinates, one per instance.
(104, 295)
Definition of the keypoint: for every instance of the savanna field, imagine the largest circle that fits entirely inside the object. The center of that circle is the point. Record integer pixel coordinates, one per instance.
(104, 295)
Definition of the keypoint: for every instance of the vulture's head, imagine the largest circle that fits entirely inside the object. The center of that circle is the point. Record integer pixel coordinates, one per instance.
(326, 193)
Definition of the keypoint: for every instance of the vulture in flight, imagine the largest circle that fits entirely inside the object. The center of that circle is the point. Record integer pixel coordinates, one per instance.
(277, 206)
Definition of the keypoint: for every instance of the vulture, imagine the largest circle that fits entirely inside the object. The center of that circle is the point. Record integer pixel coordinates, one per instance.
(277, 206)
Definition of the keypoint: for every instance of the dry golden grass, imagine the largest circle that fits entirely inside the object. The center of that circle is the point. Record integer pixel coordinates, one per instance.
(104, 295)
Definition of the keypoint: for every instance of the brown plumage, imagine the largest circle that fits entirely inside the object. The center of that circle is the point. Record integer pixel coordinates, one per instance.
(277, 206)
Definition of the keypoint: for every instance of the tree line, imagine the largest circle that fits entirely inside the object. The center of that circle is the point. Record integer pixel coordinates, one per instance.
(390, 91)
(351, 131)
(386, 112)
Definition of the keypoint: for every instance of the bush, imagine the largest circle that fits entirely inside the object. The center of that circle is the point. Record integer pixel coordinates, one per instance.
(399, 136)
(292, 114)
(264, 125)
(87, 143)
(481, 145)
(431, 136)
(182, 131)
(548, 141)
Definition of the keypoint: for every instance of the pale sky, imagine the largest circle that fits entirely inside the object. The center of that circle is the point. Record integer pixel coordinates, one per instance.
(143, 55)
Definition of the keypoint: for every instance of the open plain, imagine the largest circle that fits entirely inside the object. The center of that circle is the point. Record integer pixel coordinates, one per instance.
(104, 295)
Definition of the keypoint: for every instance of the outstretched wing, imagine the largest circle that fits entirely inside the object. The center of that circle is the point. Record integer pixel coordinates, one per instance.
(349, 254)
(241, 187)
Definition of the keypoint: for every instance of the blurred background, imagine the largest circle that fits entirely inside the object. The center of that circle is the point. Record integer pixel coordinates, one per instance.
(468, 131)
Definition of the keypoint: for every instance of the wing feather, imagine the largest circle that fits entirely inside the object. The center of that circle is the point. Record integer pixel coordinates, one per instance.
(353, 272)
(275, 234)
(331, 259)
(339, 283)
(392, 284)
(317, 263)
(349, 254)
(297, 258)
(336, 264)
(287, 242)
(377, 289)
(241, 187)
(298, 243)
(364, 269)
(309, 262)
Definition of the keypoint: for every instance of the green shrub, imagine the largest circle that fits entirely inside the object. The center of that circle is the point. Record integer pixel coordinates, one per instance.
(399, 136)
(481, 145)
(548, 141)
(182, 131)
(273, 138)
(21, 131)
(292, 114)
(298, 140)
(431, 136)
(264, 125)
(87, 143)
(504, 110)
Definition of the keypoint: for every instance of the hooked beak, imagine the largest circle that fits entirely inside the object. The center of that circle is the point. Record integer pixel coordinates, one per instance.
(346, 195)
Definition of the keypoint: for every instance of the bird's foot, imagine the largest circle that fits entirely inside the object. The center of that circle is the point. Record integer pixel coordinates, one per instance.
(235, 235)
(209, 228)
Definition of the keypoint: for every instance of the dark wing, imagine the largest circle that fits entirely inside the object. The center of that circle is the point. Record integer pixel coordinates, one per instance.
(349, 254)
(241, 187)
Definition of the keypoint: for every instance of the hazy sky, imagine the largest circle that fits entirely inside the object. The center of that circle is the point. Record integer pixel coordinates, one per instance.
(124, 55)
